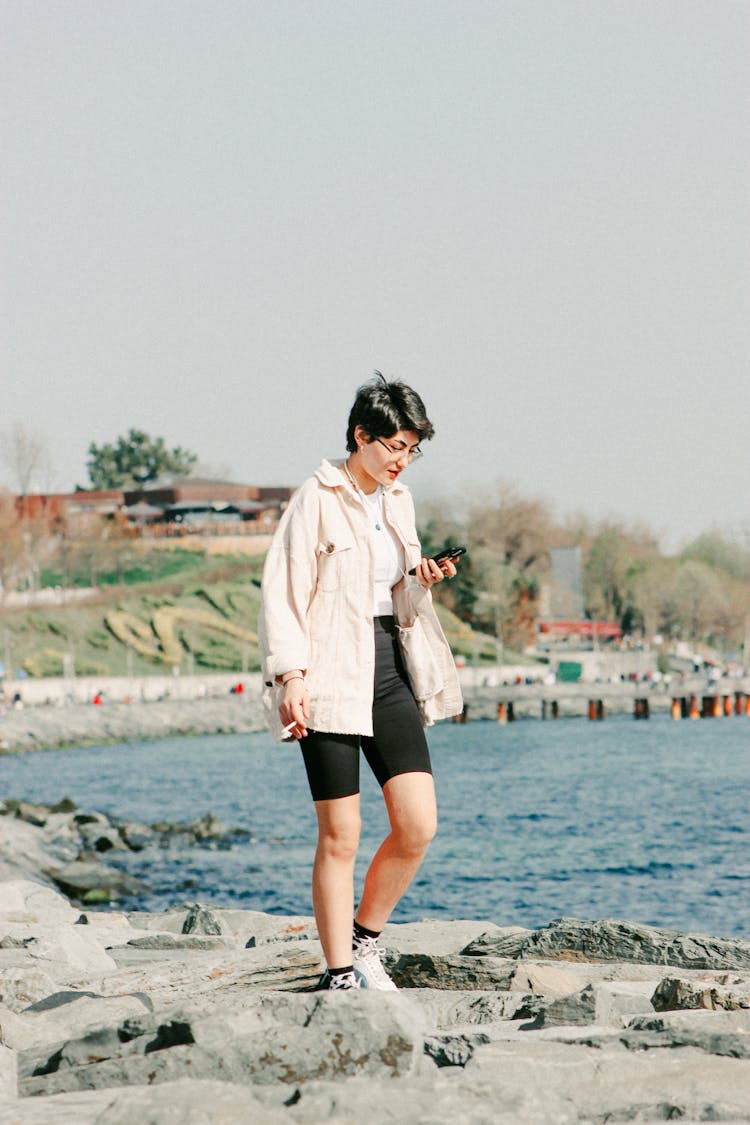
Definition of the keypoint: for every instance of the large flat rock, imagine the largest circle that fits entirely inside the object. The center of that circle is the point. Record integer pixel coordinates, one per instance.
(331, 1036)
(571, 939)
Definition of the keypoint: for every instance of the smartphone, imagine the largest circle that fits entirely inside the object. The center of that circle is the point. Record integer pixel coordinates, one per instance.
(448, 553)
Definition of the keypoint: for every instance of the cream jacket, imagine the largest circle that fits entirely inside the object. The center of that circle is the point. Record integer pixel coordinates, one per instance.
(316, 611)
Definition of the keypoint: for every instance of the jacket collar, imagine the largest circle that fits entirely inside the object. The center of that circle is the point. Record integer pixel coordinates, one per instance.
(329, 473)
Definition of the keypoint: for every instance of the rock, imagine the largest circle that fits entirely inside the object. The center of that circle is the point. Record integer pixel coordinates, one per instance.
(417, 970)
(335, 1036)
(179, 941)
(8, 1075)
(569, 939)
(65, 1015)
(22, 985)
(103, 840)
(544, 980)
(86, 819)
(23, 900)
(727, 992)
(183, 1102)
(507, 942)
(24, 810)
(245, 928)
(89, 881)
(649, 1032)
(24, 852)
(692, 1019)
(201, 920)
(190, 1102)
(66, 952)
(573, 1008)
(610, 1084)
(437, 938)
(66, 805)
(137, 836)
(208, 827)
(172, 977)
(606, 1004)
(434, 1097)
(446, 1009)
(453, 1050)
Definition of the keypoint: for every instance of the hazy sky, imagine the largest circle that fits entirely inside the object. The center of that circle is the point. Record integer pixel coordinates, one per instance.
(218, 218)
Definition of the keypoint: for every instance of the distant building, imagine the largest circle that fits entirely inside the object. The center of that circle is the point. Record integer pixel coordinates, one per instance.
(198, 504)
(191, 504)
(566, 586)
(55, 506)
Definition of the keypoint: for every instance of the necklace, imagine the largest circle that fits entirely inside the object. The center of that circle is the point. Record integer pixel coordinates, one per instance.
(372, 504)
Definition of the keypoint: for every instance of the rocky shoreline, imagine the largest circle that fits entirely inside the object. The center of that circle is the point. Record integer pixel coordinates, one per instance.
(199, 1014)
(80, 724)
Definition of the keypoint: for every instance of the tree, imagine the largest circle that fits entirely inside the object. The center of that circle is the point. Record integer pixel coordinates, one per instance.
(719, 553)
(12, 548)
(25, 455)
(136, 459)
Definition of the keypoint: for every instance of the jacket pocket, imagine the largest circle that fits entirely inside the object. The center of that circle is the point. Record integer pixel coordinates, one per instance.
(334, 564)
(422, 667)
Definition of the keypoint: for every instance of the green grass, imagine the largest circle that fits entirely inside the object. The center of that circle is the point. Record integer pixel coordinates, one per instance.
(131, 569)
(40, 639)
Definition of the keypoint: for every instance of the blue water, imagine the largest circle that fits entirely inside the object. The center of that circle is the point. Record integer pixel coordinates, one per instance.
(640, 820)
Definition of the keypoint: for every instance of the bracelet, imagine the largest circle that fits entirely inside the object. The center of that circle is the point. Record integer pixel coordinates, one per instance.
(289, 679)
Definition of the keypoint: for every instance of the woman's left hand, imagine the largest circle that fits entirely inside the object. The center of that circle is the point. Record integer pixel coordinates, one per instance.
(429, 572)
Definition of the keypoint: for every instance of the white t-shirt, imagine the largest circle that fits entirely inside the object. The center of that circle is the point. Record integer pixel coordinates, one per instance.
(387, 551)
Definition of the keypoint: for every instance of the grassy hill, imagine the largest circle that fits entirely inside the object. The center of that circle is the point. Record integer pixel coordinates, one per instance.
(182, 608)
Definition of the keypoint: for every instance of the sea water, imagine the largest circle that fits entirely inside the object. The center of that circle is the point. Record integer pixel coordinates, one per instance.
(640, 820)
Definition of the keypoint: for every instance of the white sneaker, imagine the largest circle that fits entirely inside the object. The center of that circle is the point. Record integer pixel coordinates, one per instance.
(366, 960)
(341, 982)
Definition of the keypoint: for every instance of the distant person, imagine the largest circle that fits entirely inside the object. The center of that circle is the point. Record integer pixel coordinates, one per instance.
(336, 599)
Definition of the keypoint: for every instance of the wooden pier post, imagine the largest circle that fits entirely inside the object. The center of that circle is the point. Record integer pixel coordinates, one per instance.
(739, 703)
(556, 709)
(502, 714)
(694, 712)
(727, 705)
(677, 708)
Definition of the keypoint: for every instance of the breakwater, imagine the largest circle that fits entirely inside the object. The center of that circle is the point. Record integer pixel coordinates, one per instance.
(62, 712)
(210, 1014)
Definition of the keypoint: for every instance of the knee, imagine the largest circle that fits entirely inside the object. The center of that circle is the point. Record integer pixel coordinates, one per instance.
(415, 836)
(340, 841)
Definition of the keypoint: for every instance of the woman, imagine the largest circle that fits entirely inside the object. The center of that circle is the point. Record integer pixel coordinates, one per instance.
(339, 606)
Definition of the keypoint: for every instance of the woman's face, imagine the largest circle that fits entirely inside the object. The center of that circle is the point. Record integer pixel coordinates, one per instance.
(383, 459)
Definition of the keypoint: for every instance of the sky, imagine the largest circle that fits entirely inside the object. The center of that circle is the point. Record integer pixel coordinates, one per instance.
(217, 219)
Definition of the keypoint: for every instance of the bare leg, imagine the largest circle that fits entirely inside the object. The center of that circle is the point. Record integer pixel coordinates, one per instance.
(412, 812)
(333, 876)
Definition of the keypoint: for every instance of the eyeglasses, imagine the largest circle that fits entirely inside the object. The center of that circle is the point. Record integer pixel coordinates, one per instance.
(399, 450)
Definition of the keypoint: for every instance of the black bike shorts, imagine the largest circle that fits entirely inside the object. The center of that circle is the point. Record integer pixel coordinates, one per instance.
(398, 743)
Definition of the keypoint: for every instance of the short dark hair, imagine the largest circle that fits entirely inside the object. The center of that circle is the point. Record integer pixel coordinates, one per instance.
(382, 409)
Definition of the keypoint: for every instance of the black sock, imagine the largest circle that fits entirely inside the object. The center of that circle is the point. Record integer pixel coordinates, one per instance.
(361, 932)
(341, 972)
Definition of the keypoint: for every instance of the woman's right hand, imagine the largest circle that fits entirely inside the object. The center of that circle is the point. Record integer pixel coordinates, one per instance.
(294, 708)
